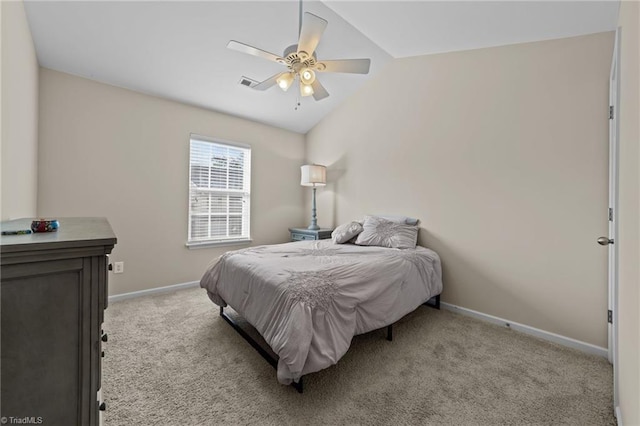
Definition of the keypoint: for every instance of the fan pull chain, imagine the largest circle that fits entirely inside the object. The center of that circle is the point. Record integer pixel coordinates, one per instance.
(297, 103)
(297, 93)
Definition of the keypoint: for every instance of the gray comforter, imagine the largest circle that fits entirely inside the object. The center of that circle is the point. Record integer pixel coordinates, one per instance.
(309, 298)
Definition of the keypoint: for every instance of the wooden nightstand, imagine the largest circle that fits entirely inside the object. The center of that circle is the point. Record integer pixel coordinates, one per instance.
(301, 234)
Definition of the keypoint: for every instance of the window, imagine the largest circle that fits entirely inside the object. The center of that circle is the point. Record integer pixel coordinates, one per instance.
(219, 192)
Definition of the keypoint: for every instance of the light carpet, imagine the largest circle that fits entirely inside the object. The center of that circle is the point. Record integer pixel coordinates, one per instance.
(171, 360)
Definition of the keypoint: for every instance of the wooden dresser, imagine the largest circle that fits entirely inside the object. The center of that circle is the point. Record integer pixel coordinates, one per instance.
(53, 297)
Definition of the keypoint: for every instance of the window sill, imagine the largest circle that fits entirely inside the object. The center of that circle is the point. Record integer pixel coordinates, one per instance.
(208, 244)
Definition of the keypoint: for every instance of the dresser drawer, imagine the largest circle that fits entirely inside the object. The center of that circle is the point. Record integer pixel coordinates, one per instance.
(305, 234)
(301, 237)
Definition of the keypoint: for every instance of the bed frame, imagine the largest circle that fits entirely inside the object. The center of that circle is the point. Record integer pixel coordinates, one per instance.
(434, 302)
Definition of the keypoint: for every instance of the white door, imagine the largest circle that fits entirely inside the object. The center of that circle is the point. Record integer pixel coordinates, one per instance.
(611, 240)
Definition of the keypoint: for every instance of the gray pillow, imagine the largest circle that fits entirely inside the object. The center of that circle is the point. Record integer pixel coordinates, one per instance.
(378, 231)
(346, 232)
(400, 219)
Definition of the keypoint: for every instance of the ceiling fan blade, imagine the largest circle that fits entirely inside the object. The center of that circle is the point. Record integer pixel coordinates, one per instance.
(312, 28)
(319, 92)
(245, 48)
(270, 82)
(356, 66)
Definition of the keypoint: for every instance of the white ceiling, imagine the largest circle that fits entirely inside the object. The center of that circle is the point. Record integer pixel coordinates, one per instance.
(410, 28)
(177, 50)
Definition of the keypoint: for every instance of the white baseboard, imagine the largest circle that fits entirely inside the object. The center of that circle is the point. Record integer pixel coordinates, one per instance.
(619, 416)
(151, 291)
(546, 335)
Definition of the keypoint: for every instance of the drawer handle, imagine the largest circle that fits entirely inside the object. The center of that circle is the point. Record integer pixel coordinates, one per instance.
(103, 407)
(105, 337)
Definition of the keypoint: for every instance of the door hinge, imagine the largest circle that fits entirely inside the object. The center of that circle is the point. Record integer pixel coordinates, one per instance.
(610, 316)
(610, 112)
(610, 214)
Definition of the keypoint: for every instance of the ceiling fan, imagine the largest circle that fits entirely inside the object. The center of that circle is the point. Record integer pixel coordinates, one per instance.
(301, 61)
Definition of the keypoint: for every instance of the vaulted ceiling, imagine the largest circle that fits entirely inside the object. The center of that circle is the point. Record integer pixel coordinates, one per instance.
(177, 50)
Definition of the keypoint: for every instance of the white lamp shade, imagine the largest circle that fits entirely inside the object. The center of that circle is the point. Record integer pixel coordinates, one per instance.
(307, 76)
(285, 80)
(306, 89)
(313, 175)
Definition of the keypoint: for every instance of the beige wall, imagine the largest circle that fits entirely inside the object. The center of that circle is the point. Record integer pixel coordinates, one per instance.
(629, 217)
(502, 153)
(19, 114)
(106, 151)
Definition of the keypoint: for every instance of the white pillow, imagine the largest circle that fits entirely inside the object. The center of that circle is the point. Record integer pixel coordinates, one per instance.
(378, 231)
(346, 232)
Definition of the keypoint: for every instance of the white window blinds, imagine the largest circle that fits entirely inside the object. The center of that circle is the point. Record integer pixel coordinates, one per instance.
(219, 191)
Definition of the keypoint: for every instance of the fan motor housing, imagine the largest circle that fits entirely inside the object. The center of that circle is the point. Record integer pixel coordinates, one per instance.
(296, 60)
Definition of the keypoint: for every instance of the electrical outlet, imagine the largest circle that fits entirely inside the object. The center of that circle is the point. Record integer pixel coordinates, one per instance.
(118, 267)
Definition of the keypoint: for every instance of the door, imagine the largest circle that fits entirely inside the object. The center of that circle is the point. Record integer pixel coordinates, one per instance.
(611, 239)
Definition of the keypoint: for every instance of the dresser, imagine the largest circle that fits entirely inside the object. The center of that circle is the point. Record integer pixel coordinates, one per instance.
(53, 297)
(301, 234)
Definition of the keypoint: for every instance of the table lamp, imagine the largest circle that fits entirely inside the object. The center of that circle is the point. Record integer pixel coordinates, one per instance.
(313, 175)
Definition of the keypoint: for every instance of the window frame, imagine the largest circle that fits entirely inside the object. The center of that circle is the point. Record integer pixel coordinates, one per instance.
(246, 192)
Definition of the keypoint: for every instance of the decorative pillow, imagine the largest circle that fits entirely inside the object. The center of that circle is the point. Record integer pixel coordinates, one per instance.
(345, 232)
(385, 233)
(400, 219)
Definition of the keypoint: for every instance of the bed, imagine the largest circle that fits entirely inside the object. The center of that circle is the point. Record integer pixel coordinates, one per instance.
(309, 298)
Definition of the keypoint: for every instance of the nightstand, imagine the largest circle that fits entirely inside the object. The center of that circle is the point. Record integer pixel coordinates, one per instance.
(301, 234)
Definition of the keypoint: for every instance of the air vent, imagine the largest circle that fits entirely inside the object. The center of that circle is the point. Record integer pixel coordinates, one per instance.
(247, 82)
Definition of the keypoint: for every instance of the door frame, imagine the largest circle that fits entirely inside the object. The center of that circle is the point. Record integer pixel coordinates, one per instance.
(614, 134)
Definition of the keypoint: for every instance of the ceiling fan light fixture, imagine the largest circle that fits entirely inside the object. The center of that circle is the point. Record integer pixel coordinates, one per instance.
(307, 76)
(301, 60)
(285, 81)
(306, 89)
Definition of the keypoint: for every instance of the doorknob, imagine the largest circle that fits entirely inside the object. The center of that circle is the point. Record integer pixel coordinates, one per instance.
(603, 241)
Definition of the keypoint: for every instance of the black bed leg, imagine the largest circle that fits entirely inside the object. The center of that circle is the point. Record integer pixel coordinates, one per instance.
(435, 304)
(266, 355)
(390, 333)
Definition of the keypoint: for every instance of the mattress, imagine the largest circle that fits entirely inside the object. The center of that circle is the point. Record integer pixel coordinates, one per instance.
(309, 298)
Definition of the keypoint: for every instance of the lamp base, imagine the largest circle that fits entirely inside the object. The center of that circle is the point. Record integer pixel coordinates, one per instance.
(314, 220)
